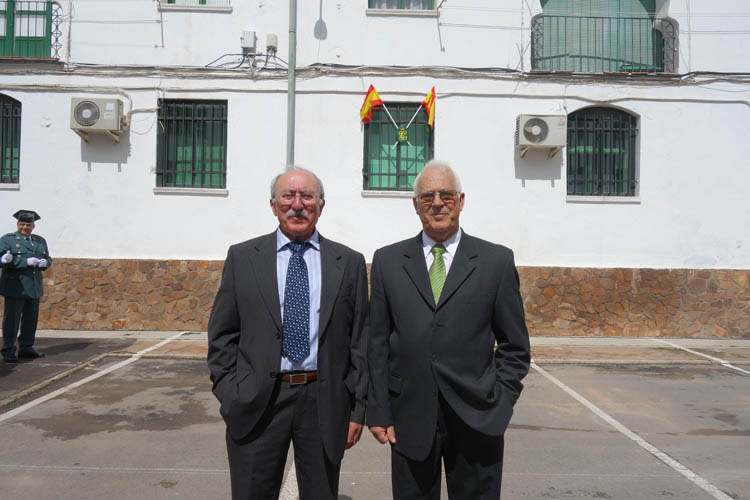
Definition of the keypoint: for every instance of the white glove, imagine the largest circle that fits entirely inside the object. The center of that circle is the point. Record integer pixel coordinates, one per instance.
(42, 263)
(32, 261)
(7, 257)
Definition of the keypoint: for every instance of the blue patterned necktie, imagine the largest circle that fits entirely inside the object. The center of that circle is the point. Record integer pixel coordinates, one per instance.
(296, 322)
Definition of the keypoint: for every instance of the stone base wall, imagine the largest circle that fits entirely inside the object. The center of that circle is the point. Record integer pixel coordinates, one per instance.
(636, 302)
(90, 294)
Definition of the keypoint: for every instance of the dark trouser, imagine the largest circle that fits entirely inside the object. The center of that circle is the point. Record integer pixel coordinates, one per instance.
(23, 312)
(256, 462)
(473, 464)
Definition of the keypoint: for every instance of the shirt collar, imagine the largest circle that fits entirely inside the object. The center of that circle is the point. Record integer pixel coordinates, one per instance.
(283, 240)
(451, 244)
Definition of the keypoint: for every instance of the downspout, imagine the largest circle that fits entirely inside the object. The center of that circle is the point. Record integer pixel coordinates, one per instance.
(291, 93)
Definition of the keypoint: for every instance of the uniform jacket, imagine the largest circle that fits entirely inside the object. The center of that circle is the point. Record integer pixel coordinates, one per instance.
(417, 349)
(244, 339)
(18, 279)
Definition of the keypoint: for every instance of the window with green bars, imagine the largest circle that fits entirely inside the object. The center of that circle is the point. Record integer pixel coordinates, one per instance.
(402, 4)
(595, 36)
(25, 28)
(394, 155)
(601, 152)
(192, 144)
(10, 139)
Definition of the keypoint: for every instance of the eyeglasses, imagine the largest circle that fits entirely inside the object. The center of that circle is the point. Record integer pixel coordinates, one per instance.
(447, 196)
(307, 198)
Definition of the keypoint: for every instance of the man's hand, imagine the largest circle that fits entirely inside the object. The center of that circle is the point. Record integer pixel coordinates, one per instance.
(384, 434)
(7, 257)
(42, 263)
(32, 261)
(355, 432)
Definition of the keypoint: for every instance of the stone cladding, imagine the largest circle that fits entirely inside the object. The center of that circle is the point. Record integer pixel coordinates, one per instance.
(621, 302)
(91, 294)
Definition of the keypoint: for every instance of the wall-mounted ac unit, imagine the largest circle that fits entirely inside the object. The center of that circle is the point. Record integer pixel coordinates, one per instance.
(94, 115)
(541, 132)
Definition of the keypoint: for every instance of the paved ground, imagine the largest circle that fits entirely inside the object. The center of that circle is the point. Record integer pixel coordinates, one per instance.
(131, 416)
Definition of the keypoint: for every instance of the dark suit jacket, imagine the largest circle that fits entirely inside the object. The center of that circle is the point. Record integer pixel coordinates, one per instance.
(417, 349)
(18, 279)
(244, 339)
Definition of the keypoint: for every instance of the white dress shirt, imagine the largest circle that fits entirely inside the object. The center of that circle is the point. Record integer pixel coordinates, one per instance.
(312, 261)
(451, 245)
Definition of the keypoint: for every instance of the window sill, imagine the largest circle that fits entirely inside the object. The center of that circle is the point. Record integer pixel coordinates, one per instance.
(626, 200)
(402, 13)
(195, 8)
(192, 191)
(10, 187)
(387, 194)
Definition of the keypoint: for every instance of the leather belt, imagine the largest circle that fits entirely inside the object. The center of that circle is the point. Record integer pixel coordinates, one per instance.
(299, 378)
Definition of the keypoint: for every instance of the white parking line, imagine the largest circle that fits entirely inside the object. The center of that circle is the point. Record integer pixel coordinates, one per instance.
(722, 362)
(135, 357)
(674, 464)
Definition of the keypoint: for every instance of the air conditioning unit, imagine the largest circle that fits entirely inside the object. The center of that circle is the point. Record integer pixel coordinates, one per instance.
(541, 132)
(91, 115)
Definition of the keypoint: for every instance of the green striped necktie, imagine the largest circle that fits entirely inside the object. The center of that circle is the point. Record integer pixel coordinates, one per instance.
(437, 271)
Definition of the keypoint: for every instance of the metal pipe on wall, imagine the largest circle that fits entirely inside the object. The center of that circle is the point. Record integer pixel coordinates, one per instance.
(291, 93)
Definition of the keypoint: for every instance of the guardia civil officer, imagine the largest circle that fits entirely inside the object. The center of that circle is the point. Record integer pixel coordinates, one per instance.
(24, 258)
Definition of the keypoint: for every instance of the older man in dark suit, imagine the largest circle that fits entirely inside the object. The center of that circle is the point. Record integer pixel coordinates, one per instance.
(440, 303)
(287, 348)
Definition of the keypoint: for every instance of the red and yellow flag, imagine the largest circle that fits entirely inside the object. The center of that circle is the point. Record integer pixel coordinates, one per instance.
(429, 107)
(372, 99)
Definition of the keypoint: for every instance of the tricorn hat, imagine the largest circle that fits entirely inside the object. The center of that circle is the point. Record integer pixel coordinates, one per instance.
(26, 216)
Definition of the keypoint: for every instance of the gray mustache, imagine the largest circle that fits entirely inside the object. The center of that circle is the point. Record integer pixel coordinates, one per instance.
(298, 213)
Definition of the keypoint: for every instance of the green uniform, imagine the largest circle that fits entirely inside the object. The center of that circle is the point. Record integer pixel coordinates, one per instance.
(18, 279)
(21, 285)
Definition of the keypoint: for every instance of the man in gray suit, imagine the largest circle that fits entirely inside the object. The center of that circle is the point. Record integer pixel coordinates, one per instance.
(438, 387)
(287, 348)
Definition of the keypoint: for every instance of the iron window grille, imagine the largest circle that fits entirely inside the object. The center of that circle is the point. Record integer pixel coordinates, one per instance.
(402, 4)
(598, 44)
(391, 164)
(191, 144)
(30, 29)
(601, 152)
(10, 139)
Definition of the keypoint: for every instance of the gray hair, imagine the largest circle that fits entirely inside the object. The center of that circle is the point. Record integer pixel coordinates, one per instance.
(441, 166)
(295, 168)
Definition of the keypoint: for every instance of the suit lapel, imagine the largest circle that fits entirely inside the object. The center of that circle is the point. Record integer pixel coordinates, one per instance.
(416, 267)
(464, 263)
(332, 270)
(263, 262)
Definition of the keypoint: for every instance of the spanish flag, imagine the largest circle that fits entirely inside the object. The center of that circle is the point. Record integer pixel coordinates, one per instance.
(429, 107)
(372, 99)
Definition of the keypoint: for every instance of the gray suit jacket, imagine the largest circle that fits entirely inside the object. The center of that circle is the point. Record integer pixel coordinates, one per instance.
(417, 349)
(244, 339)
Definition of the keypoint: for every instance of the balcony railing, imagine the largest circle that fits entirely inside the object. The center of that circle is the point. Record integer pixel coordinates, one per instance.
(30, 29)
(595, 44)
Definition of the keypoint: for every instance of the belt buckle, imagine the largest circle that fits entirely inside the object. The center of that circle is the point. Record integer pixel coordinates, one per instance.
(293, 376)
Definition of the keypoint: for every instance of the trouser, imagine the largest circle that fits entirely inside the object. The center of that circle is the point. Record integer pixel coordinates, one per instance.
(473, 464)
(23, 312)
(256, 462)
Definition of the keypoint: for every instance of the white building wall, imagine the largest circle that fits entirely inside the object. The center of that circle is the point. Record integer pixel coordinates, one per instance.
(97, 199)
